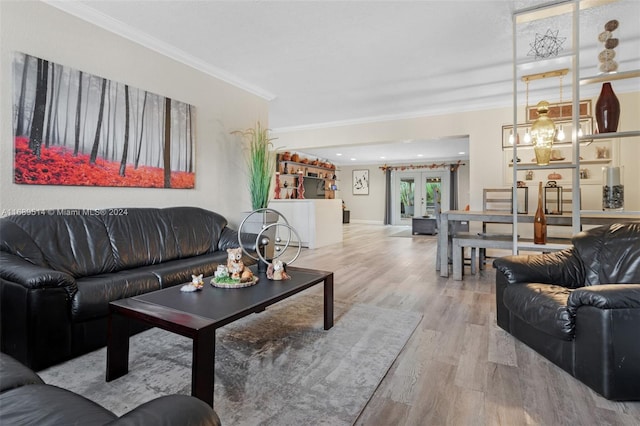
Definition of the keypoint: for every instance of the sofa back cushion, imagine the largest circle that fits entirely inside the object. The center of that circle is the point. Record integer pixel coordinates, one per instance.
(197, 231)
(140, 237)
(92, 244)
(147, 236)
(75, 244)
(611, 254)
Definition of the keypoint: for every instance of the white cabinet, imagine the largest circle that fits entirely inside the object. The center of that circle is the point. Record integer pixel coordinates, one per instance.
(317, 222)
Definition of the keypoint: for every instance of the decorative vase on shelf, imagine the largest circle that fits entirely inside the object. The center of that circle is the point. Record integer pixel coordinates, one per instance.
(540, 221)
(607, 110)
(612, 188)
(543, 132)
(277, 189)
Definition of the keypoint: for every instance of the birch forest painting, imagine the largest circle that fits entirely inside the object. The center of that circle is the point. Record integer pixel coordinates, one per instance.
(74, 128)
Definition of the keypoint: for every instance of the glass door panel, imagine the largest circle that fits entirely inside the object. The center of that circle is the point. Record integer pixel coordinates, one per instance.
(432, 190)
(407, 197)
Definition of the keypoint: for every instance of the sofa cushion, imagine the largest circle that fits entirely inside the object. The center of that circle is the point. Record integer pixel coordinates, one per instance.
(197, 231)
(50, 405)
(611, 254)
(94, 293)
(179, 271)
(542, 306)
(140, 237)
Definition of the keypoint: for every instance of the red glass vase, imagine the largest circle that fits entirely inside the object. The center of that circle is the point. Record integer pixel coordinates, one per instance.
(607, 110)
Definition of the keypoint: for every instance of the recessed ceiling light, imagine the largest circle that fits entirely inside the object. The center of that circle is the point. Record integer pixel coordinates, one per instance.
(420, 155)
(339, 154)
(382, 157)
(353, 159)
(461, 153)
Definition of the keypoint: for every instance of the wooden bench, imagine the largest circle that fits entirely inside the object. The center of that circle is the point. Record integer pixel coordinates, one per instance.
(500, 241)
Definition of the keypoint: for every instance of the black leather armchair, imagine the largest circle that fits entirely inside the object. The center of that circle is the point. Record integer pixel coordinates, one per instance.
(580, 308)
(26, 400)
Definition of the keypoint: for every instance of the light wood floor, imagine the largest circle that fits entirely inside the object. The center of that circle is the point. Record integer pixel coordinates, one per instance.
(458, 368)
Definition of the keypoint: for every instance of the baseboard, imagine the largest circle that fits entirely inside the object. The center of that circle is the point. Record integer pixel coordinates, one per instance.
(367, 222)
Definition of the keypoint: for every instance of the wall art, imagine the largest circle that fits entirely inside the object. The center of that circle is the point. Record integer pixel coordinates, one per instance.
(75, 128)
(361, 182)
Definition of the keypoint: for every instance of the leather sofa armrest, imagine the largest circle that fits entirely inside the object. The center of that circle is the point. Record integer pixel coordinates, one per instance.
(229, 239)
(606, 296)
(18, 270)
(171, 410)
(561, 268)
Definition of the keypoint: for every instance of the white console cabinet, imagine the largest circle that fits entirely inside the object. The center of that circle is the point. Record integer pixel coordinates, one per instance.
(317, 221)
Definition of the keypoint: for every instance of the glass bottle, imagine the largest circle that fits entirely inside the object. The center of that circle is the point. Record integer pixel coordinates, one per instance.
(540, 221)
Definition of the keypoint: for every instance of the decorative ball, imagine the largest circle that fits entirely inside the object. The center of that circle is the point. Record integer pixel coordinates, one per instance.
(611, 25)
(612, 43)
(606, 55)
(604, 36)
(609, 66)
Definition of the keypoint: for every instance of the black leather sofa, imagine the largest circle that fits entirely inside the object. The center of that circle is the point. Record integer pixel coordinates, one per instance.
(26, 400)
(580, 308)
(60, 269)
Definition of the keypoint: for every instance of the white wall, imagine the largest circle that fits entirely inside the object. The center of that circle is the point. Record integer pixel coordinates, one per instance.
(485, 147)
(46, 32)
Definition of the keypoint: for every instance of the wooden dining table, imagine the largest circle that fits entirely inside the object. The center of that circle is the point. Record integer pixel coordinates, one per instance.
(491, 216)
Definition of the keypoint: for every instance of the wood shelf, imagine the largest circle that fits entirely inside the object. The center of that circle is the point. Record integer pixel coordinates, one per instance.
(560, 164)
(328, 175)
(307, 165)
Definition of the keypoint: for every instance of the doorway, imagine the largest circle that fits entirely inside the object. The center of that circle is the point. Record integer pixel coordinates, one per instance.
(415, 193)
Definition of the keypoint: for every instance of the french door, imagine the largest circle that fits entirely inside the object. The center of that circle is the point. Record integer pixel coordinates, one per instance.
(415, 194)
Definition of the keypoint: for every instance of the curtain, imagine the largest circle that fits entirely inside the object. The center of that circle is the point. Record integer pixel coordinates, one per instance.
(453, 193)
(387, 197)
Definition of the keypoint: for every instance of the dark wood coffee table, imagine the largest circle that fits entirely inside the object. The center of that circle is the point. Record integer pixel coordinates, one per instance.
(197, 315)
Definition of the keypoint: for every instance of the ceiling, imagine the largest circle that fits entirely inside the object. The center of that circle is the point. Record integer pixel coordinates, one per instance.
(322, 63)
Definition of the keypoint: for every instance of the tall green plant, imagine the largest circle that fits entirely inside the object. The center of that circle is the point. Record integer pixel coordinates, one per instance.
(260, 164)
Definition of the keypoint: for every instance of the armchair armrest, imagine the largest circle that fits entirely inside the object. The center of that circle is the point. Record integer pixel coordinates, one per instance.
(606, 296)
(18, 270)
(560, 268)
(171, 410)
(229, 239)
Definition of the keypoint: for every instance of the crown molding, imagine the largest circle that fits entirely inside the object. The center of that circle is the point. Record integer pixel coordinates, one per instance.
(432, 112)
(121, 29)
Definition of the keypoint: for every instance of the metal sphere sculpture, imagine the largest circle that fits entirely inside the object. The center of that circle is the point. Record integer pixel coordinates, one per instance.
(278, 229)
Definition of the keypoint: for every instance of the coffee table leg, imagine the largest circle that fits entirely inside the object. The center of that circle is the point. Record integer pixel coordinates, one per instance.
(203, 368)
(328, 302)
(117, 346)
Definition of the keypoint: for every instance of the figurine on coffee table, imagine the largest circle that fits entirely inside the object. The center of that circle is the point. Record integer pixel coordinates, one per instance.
(276, 271)
(235, 266)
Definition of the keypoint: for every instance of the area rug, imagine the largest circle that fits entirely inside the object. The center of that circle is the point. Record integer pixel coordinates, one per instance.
(278, 367)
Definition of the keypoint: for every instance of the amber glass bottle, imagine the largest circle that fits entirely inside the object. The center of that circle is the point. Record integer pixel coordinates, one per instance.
(540, 221)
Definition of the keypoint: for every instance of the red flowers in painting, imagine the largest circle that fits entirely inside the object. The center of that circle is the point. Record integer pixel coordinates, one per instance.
(58, 166)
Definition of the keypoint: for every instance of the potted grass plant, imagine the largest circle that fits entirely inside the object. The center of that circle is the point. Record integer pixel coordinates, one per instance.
(260, 164)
